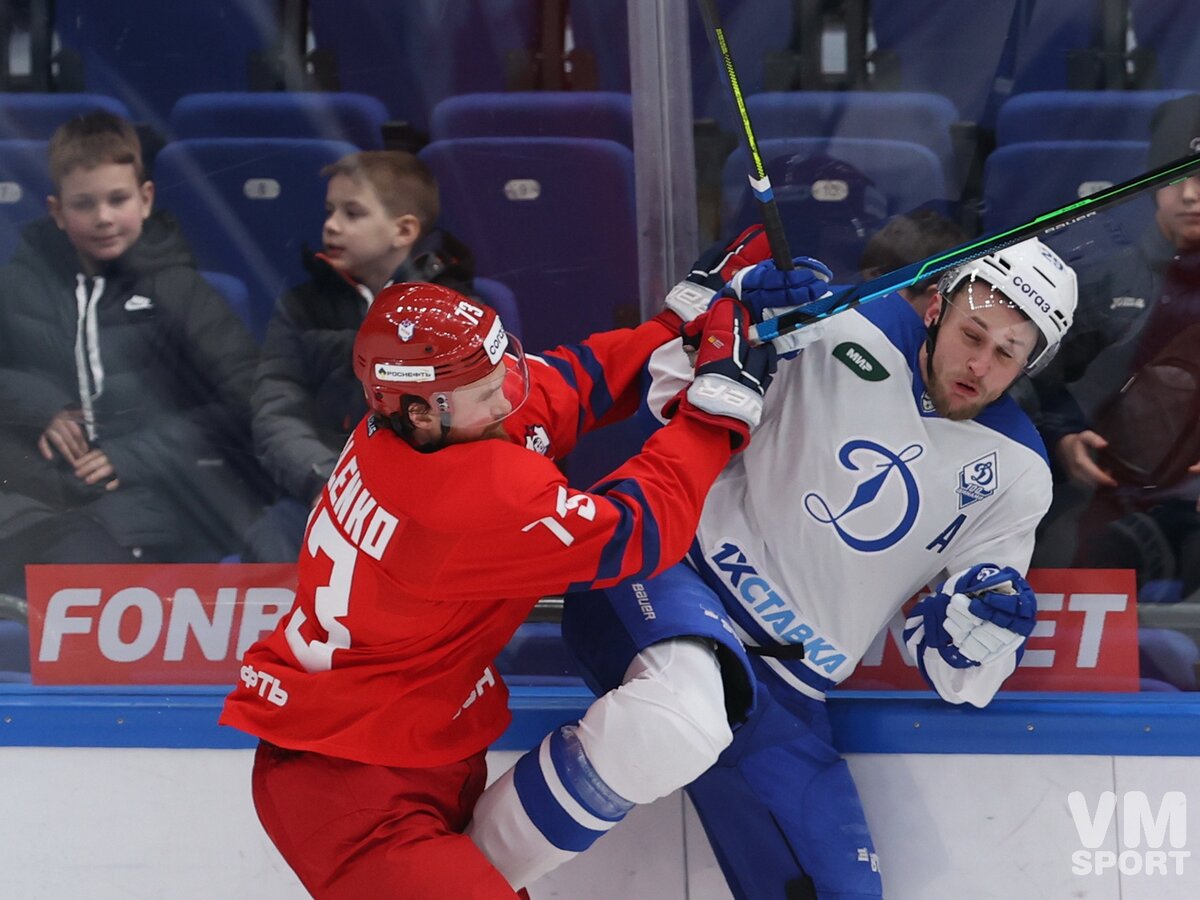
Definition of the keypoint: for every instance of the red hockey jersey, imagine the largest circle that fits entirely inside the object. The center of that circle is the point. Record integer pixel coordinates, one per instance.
(417, 568)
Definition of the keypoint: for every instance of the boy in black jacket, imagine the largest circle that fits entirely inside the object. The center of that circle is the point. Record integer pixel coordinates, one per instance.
(380, 209)
(124, 378)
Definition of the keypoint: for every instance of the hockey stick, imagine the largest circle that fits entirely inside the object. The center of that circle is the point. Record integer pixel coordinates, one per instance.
(760, 183)
(909, 275)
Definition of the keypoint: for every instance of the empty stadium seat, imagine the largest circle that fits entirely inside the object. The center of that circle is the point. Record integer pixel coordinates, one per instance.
(501, 299)
(1065, 171)
(1079, 116)
(355, 118)
(1168, 40)
(148, 53)
(413, 54)
(833, 193)
(1168, 655)
(753, 28)
(1004, 47)
(586, 114)
(553, 218)
(24, 186)
(931, 46)
(919, 118)
(35, 117)
(248, 207)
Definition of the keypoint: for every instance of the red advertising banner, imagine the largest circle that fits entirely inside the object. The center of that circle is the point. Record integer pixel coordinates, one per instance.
(190, 624)
(1086, 638)
(151, 624)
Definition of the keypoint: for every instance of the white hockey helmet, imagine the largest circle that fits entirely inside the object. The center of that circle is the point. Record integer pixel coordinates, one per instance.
(1033, 279)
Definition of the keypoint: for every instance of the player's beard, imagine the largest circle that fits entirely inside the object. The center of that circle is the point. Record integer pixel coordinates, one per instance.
(939, 396)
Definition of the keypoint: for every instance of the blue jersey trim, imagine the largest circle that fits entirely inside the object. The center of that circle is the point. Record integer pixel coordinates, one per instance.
(614, 550)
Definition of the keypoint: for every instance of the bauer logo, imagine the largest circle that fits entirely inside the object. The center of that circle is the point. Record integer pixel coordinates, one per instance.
(1143, 840)
(860, 362)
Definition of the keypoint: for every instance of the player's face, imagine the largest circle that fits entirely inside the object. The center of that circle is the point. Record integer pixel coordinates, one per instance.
(102, 210)
(1178, 214)
(359, 237)
(980, 350)
(479, 408)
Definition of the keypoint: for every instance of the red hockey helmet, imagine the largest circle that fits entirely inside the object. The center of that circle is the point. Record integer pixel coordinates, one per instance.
(431, 342)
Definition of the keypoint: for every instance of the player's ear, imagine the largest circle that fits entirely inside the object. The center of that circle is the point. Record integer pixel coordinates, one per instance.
(425, 425)
(934, 309)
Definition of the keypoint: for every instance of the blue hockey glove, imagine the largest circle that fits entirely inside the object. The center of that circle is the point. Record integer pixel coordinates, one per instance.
(712, 271)
(975, 617)
(731, 376)
(767, 292)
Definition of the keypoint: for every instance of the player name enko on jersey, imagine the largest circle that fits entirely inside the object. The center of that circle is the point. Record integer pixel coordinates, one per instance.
(367, 524)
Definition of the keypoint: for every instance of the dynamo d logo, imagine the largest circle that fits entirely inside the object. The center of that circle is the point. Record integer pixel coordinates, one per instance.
(873, 501)
(1152, 842)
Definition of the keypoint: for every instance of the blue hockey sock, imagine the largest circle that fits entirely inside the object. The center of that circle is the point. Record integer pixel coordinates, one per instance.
(564, 797)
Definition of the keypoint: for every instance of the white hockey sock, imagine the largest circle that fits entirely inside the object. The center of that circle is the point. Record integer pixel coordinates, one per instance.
(548, 807)
(654, 734)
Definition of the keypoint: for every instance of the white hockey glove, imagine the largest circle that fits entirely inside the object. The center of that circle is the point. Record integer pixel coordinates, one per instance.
(975, 618)
(731, 376)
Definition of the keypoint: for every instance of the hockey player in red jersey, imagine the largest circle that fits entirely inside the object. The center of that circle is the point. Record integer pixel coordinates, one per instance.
(444, 521)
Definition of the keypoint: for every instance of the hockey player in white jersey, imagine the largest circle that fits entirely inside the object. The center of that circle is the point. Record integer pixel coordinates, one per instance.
(889, 458)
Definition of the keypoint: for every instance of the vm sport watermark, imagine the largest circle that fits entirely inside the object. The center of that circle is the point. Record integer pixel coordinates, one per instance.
(1152, 840)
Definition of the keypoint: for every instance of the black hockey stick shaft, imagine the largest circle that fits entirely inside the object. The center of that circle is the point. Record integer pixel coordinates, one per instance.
(909, 275)
(760, 183)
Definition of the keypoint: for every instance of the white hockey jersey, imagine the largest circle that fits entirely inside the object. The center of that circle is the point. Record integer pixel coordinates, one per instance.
(855, 493)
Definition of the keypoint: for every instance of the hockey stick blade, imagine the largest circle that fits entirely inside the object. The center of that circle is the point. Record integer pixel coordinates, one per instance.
(909, 275)
(760, 183)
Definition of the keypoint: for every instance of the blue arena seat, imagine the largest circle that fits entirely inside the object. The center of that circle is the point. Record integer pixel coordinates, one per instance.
(148, 53)
(1003, 47)
(413, 54)
(1065, 171)
(586, 114)
(1168, 655)
(1079, 116)
(234, 291)
(553, 218)
(753, 28)
(500, 298)
(248, 206)
(1166, 29)
(930, 45)
(24, 186)
(1050, 36)
(919, 118)
(834, 193)
(34, 117)
(339, 116)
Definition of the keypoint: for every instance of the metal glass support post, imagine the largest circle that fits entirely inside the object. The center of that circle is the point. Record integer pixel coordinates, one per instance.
(665, 177)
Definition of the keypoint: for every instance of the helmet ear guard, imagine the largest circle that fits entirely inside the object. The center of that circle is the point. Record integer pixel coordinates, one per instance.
(1035, 281)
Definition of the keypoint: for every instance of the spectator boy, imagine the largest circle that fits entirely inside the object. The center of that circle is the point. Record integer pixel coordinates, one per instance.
(380, 210)
(124, 378)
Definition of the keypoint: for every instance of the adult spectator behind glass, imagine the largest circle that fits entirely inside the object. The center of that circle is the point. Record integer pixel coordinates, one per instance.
(906, 239)
(380, 209)
(124, 378)
(1127, 431)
